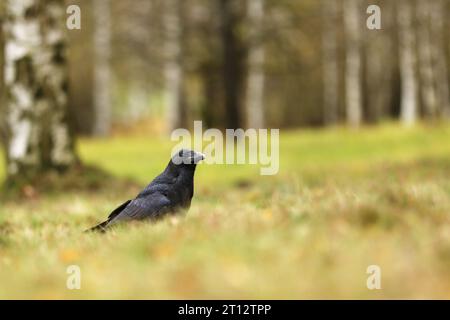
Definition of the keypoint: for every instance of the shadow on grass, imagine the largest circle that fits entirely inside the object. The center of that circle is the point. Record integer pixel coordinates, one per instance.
(81, 178)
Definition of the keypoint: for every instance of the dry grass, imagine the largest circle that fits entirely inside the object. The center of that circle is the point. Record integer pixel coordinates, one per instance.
(343, 200)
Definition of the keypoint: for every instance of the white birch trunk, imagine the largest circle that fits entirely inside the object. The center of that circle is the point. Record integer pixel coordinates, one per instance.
(137, 101)
(330, 13)
(256, 57)
(353, 81)
(38, 136)
(2, 68)
(173, 66)
(102, 69)
(439, 56)
(426, 70)
(408, 107)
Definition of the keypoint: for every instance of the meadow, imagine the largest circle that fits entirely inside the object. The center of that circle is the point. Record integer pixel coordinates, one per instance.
(343, 200)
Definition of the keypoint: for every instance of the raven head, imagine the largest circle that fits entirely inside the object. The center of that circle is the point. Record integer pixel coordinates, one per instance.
(188, 157)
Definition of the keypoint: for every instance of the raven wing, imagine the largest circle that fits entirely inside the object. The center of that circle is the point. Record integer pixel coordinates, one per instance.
(101, 226)
(119, 209)
(150, 206)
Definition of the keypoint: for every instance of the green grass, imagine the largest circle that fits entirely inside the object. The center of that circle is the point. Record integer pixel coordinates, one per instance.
(343, 200)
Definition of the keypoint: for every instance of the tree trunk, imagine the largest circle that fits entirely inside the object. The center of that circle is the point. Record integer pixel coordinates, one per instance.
(38, 136)
(174, 73)
(102, 72)
(426, 70)
(379, 66)
(232, 64)
(2, 68)
(438, 28)
(256, 58)
(408, 107)
(137, 98)
(81, 72)
(353, 81)
(330, 64)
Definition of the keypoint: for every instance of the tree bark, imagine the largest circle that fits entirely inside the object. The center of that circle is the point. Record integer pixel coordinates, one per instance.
(102, 71)
(408, 107)
(174, 73)
(37, 131)
(353, 83)
(255, 61)
(330, 64)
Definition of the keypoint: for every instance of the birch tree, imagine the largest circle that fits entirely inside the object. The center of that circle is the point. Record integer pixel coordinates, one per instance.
(102, 69)
(353, 83)
(438, 29)
(2, 67)
(426, 70)
(330, 61)
(37, 132)
(409, 104)
(174, 73)
(255, 62)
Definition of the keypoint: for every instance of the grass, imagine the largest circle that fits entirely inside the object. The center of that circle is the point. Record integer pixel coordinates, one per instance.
(343, 200)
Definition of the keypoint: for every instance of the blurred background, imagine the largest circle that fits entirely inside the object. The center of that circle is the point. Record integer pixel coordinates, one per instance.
(85, 118)
(260, 63)
(240, 64)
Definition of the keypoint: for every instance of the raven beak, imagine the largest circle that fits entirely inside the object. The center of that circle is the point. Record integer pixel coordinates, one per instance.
(198, 157)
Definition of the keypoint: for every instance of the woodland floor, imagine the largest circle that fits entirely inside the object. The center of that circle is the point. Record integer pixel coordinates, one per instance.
(343, 200)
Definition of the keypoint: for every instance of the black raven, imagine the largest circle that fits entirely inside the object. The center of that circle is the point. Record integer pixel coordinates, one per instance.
(168, 193)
